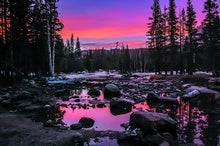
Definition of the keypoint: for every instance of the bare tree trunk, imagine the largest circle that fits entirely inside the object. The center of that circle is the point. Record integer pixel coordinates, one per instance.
(53, 56)
(49, 49)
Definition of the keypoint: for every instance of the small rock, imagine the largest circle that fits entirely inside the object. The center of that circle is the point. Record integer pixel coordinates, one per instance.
(49, 123)
(47, 106)
(77, 126)
(77, 100)
(94, 92)
(86, 122)
(78, 139)
(33, 107)
(100, 104)
(63, 127)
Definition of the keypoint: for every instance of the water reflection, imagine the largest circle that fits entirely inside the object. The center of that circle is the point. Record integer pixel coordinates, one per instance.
(197, 126)
(197, 123)
(104, 120)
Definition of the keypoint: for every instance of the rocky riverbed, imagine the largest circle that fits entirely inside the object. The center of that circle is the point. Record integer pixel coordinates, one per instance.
(127, 110)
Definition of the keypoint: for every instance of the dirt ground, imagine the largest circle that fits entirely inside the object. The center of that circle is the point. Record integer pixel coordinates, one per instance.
(16, 129)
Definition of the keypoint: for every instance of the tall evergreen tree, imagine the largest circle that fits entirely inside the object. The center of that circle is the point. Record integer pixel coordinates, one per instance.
(211, 34)
(173, 35)
(192, 32)
(19, 26)
(72, 43)
(182, 33)
(78, 48)
(156, 33)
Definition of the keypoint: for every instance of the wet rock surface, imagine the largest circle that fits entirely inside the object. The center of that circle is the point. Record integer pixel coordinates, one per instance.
(150, 122)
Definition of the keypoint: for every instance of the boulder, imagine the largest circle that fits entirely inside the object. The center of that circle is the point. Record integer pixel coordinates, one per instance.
(111, 90)
(199, 92)
(94, 92)
(154, 98)
(120, 106)
(150, 122)
(86, 122)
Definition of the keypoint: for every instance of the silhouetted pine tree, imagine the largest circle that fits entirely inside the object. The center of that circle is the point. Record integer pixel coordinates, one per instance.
(182, 33)
(156, 34)
(192, 32)
(211, 34)
(78, 48)
(72, 43)
(173, 35)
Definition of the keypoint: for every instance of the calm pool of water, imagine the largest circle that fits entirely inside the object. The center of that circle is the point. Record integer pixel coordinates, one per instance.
(195, 123)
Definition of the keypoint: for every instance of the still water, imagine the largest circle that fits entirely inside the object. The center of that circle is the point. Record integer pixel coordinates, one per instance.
(196, 124)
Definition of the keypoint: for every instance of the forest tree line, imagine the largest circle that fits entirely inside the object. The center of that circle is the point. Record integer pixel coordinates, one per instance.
(30, 41)
(177, 43)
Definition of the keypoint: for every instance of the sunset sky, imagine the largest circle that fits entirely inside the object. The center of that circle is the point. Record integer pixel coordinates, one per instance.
(102, 23)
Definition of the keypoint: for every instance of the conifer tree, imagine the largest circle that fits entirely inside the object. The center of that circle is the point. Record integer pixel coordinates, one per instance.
(182, 33)
(72, 43)
(211, 34)
(192, 31)
(78, 48)
(156, 34)
(173, 35)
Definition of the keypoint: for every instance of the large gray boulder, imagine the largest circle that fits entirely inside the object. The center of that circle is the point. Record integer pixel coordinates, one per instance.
(150, 122)
(111, 90)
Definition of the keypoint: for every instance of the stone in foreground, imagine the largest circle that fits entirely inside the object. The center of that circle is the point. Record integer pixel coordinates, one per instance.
(150, 122)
